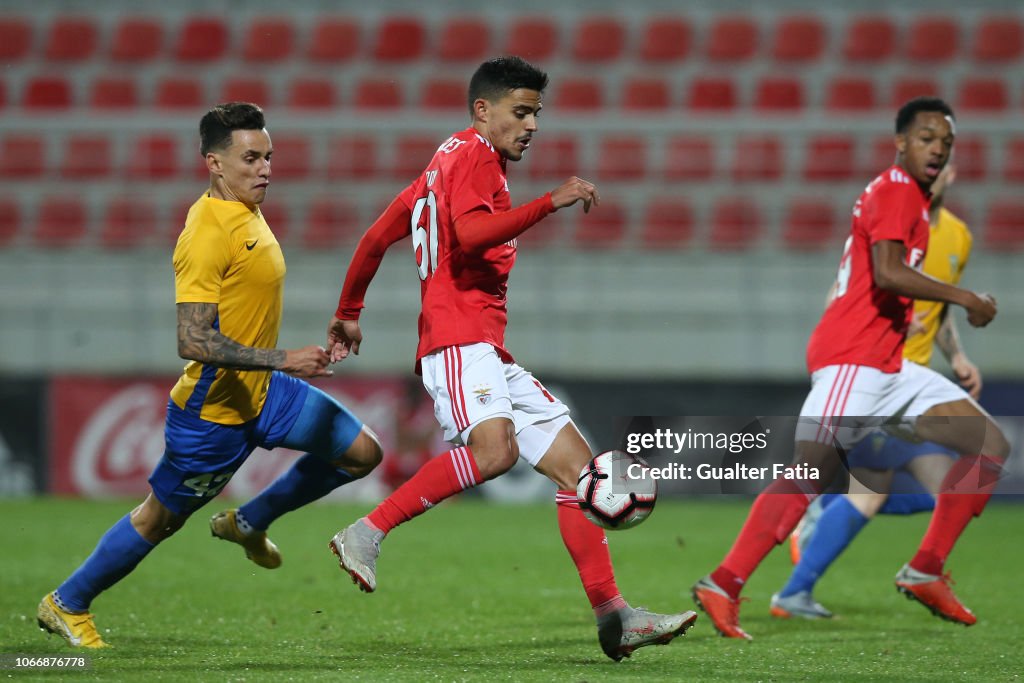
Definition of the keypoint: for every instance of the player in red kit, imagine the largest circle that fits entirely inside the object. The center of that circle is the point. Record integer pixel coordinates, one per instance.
(859, 380)
(464, 229)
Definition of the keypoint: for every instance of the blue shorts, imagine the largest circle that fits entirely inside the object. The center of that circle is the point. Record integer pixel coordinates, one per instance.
(200, 456)
(881, 451)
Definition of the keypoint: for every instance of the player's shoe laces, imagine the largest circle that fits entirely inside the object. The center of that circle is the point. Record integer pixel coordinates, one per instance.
(933, 592)
(258, 547)
(723, 611)
(357, 547)
(800, 604)
(801, 536)
(77, 628)
(625, 630)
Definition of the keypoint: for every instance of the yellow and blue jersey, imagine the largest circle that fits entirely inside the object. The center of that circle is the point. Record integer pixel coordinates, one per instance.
(227, 255)
(949, 248)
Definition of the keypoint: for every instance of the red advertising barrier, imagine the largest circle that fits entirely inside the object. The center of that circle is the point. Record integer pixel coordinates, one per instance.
(107, 433)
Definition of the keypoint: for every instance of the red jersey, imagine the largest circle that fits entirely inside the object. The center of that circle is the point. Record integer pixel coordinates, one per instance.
(464, 295)
(864, 324)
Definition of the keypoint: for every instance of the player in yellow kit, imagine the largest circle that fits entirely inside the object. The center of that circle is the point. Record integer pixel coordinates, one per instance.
(881, 463)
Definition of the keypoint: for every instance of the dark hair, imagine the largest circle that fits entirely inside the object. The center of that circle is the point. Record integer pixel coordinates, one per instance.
(908, 111)
(501, 75)
(216, 126)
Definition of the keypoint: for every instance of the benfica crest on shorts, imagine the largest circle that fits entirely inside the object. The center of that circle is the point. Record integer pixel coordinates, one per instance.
(483, 394)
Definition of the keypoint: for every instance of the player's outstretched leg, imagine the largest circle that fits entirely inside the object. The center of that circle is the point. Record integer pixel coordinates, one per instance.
(227, 525)
(77, 628)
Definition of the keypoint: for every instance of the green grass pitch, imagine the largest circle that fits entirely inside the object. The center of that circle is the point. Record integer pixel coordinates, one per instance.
(485, 592)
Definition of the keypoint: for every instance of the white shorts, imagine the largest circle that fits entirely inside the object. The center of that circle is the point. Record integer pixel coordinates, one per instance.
(470, 384)
(847, 402)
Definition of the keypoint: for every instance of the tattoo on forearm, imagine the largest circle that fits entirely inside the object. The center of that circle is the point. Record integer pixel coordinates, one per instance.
(198, 340)
(947, 337)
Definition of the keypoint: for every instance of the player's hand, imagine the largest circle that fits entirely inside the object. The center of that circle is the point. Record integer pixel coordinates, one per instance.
(573, 190)
(307, 362)
(917, 325)
(968, 374)
(981, 310)
(343, 337)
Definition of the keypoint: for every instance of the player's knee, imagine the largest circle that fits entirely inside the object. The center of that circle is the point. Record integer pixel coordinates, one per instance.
(496, 459)
(996, 444)
(363, 455)
(154, 522)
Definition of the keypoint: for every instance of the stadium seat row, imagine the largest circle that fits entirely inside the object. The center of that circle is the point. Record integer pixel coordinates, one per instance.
(725, 223)
(725, 38)
(846, 94)
(688, 158)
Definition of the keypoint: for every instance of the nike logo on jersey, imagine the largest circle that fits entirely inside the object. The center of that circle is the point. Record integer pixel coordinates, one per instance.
(250, 246)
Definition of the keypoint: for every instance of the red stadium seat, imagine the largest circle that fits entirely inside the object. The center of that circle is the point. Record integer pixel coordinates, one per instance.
(22, 156)
(870, 39)
(399, 39)
(334, 40)
(465, 40)
(799, 39)
(879, 155)
(850, 95)
(830, 158)
(87, 156)
(312, 93)
(292, 158)
(668, 223)
(1013, 164)
(971, 157)
(601, 229)
(998, 39)
(352, 157)
(276, 214)
(444, 94)
(410, 155)
(268, 39)
(376, 93)
(10, 221)
(46, 92)
(906, 89)
(689, 158)
(3, 94)
(15, 38)
(646, 94)
(756, 157)
(252, 90)
(579, 94)
(547, 232)
(153, 157)
(779, 94)
(128, 222)
(180, 93)
(201, 40)
(932, 40)
(665, 39)
(598, 39)
(622, 158)
(735, 224)
(982, 95)
(61, 222)
(555, 157)
(70, 39)
(332, 221)
(1005, 225)
(711, 95)
(532, 38)
(732, 39)
(113, 93)
(136, 39)
(810, 224)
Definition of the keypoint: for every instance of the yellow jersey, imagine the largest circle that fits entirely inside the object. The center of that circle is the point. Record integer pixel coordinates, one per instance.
(949, 248)
(227, 255)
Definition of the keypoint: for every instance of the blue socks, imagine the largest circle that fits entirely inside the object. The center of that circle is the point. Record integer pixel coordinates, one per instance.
(116, 555)
(838, 525)
(309, 479)
(908, 503)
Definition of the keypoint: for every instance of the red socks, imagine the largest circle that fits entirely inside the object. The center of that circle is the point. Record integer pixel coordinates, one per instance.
(588, 547)
(442, 477)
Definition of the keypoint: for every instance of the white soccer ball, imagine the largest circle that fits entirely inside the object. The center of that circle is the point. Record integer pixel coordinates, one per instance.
(614, 492)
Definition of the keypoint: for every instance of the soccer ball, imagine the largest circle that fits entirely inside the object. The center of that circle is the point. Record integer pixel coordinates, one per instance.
(613, 493)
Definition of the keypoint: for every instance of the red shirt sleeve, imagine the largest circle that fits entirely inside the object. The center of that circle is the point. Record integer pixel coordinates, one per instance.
(479, 230)
(392, 226)
(892, 213)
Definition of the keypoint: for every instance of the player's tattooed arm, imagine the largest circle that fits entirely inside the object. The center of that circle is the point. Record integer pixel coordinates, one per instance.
(199, 340)
(948, 338)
